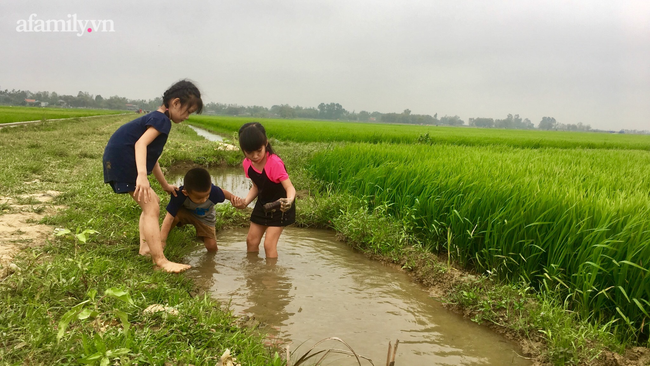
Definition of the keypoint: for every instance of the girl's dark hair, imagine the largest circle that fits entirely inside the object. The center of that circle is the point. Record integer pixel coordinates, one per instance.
(252, 136)
(187, 92)
(197, 180)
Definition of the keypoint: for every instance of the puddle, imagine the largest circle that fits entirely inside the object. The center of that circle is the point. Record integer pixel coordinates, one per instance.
(321, 288)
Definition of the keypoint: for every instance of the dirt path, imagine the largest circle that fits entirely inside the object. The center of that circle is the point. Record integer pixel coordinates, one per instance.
(19, 225)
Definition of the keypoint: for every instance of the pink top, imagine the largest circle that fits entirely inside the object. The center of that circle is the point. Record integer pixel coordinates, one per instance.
(274, 168)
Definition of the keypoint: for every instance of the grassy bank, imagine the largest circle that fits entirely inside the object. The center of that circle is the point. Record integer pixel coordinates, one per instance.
(73, 302)
(334, 131)
(20, 114)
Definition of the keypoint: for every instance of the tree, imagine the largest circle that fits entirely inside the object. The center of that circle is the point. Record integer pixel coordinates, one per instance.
(113, 102)
(481, 122)
(547, 123)
(364, 116)
(285, 111)
(390, 117)
(234, 110)
(331, 111)
(508, 122)
(452, 121)
(527, 124)
(310, 113)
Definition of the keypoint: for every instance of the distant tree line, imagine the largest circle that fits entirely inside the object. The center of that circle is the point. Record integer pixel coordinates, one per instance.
(81, 100)
(326, 111)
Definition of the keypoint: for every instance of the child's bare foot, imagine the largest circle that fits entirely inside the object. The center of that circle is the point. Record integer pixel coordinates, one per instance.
(172, 267)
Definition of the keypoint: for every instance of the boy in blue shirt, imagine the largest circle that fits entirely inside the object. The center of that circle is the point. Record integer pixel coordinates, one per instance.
(194, 205)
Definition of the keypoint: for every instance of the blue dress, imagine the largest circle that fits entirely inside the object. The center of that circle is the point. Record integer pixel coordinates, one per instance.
(120, 170)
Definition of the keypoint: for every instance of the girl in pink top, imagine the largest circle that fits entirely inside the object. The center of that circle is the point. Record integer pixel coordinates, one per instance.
(271, 183)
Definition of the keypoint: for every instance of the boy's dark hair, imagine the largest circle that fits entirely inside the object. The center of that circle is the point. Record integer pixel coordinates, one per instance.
(187, 92)
(252, 136)
(197, 180)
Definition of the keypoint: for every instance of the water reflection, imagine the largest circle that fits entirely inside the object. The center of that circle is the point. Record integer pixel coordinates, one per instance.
(268, 289)
(320, 288)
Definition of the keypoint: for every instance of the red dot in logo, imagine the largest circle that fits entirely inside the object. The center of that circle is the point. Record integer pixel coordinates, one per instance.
(90, 30)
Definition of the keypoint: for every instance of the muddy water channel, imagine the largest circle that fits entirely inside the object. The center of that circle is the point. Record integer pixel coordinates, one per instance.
(206, 134)
(321, 288)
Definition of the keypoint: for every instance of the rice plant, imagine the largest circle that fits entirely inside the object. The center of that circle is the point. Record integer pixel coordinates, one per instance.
(575, 221)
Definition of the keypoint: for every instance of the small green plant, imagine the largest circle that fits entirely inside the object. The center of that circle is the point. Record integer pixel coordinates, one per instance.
(90, 309)
(78, 236)
(425, 139)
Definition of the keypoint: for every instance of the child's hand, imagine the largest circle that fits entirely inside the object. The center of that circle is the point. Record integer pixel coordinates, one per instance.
(238, 202)
(142, 188)
(285, 204)
(171, 189)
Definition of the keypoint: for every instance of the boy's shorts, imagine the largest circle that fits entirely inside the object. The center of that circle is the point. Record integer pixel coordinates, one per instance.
(203, 230)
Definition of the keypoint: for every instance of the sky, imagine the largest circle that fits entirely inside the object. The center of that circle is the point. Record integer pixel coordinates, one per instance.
(582, 61)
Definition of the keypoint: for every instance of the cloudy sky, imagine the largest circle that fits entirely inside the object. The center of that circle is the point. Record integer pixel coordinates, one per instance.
(578, 61)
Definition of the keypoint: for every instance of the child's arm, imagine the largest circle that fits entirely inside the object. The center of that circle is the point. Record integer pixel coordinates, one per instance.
(234, 200)
(229, 196)
(291, 195)
(166, 228)
(142, 183)
(243, 203)
(160, 177)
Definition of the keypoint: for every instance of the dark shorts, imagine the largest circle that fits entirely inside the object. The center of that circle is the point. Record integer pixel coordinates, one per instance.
(203, 230)
(120, 187)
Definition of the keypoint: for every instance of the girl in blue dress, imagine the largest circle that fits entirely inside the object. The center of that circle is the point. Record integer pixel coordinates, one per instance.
(132, 154)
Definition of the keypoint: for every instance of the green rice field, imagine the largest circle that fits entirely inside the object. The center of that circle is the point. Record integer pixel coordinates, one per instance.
(318, 131)
(573, 220)
(19, 114)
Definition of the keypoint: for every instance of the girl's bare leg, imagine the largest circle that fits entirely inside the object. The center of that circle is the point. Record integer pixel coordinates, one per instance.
(151, 230)
(271, 241)
(254, 237)
(144, 248)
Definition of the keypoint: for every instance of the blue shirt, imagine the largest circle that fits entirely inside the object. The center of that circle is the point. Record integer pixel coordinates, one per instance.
(119, 154)
(203, 211)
